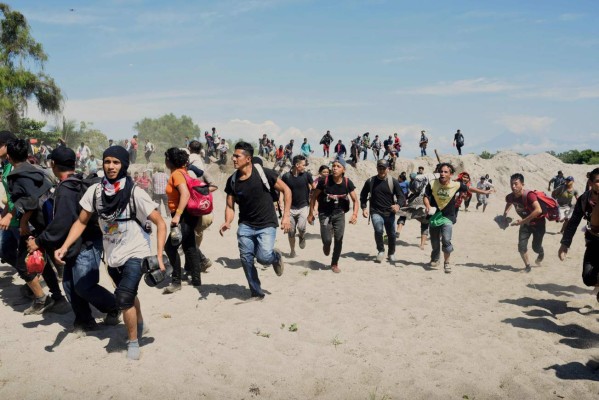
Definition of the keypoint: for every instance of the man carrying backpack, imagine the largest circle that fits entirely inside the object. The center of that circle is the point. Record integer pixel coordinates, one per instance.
(326, 141)
(333, 194)
(27, 184)
(385, 196)
(250, 187)
(299, 182)
(82, 261)
(458, 141)
(533, 221)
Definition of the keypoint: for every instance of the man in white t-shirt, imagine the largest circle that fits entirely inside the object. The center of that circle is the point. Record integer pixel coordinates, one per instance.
(122, 211)
(83, 153)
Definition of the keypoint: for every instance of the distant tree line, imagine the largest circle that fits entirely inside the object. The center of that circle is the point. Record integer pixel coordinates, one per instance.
(587, 156)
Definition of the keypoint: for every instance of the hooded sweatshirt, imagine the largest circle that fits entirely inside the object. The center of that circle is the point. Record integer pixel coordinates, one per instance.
(66, 211)
(26, 184)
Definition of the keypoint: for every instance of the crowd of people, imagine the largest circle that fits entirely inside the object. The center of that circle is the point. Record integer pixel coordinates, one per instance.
(75, 211)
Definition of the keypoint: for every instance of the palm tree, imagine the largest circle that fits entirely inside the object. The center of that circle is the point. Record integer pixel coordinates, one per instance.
(17, 83)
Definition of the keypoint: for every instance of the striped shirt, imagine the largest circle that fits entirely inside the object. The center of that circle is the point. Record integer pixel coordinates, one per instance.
(159, 180)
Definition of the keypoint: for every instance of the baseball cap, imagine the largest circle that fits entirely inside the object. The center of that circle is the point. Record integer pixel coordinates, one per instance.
(64, 156)
(341, 161)
(382, 163)
(570, 178)
(6, 136)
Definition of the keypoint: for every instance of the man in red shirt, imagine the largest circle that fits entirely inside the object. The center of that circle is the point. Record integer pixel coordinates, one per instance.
(532, 222)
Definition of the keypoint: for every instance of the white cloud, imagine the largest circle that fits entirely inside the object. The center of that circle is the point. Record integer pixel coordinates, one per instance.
(567, 93)
(567, 17)
(464, 86)
(525, 124)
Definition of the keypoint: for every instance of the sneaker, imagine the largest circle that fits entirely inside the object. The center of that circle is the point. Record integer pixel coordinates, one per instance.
(113, 318)
(434, 263)
(539, 259)
(207, 263)
(326, 249)
(292, 254)
(528, 268)
(380, 257)
(61, 306)
(447, 267)
(279, 264)
(39, 306)
(392, 258)
(172, 288)
(302, 242)
(335, 268)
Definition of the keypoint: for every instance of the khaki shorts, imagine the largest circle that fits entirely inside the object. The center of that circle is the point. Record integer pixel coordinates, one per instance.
(299, 220)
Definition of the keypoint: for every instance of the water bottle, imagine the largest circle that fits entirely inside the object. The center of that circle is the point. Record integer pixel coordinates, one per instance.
(176, 236)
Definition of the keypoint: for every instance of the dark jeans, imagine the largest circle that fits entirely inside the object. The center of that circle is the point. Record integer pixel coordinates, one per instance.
(256, 243)
(187, 225)
(332, 226)
(422, 151)
(590, 264)
(459, 149)
(126, 278)
(147, 155)
(80, 283)
(49, 274)
(537, 232)
(440, 235)
(388, 223)
(9, 245)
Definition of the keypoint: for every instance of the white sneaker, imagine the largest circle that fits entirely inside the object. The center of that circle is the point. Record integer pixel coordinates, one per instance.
(392, 258)
(380, 257)
(447, 268)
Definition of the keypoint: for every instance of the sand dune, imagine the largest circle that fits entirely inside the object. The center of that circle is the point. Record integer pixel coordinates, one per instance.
(374, 331)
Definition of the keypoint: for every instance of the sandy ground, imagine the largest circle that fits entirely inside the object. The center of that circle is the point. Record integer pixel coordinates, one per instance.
(374, 331)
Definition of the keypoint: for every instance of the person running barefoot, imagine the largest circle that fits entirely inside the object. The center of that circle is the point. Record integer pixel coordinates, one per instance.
(532, 222)
(333, 194)
(586, 207)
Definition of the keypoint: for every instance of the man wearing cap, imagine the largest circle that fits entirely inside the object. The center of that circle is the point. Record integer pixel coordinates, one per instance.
(333, 194)
(82, 260)
(564, 195)
(557, 181)
(386, 196)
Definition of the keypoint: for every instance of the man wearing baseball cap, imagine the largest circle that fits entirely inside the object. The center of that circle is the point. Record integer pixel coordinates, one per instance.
(82, 261)
(385, 196)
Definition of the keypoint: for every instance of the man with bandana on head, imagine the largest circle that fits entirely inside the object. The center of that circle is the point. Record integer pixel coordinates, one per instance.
(122, 210)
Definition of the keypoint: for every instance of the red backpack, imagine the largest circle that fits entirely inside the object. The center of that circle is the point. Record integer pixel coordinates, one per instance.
(548, 204)
(200, 199)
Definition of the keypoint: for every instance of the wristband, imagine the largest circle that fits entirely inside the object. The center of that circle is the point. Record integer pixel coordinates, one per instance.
(178, 211)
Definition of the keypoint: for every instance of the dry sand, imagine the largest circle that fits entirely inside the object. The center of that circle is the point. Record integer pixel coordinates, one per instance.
(374, 331)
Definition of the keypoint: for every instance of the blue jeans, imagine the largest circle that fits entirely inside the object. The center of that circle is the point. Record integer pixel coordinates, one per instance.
(9, 245)
(380, 222)
(440, 234)
(126, 278)
(422, 151)
(80, 283)
(259, 244)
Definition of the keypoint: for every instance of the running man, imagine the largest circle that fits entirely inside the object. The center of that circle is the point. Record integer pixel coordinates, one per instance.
(564, 195)
(299, 182)
(532, 222)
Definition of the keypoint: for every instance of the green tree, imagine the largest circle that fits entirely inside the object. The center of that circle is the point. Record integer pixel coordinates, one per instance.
(17, 83)
(486, 155)
(73, 135)
(166, 131)
(30, 128)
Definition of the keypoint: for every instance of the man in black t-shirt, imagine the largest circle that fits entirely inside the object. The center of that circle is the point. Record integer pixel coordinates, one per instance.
(299, 182)
(250, 187)
(532, 222)
(458, 141)
(333, 194)
(386, 197)
(441, 194)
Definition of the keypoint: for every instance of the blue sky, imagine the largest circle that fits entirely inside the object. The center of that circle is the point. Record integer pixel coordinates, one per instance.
(510, 74)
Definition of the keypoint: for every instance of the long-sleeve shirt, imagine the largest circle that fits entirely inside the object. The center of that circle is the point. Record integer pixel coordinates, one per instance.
(382, 198)
(582, 209)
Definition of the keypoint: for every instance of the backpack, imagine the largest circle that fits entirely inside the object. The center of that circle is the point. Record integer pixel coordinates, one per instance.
(336, 197)
(200, 199)
(85, 183)
(548, 204)
(418, 184)
(460, 140)
(147, 227)
(274, 194)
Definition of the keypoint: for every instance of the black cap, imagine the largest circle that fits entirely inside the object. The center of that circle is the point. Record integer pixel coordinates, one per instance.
(6, 136)
(64, 156)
